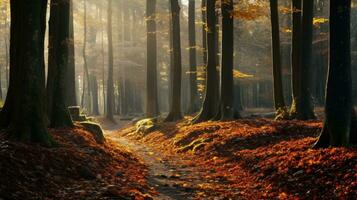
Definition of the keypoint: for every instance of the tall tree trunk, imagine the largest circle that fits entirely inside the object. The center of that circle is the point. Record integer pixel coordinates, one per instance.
(209, 108)
(175, 110)
(279, 102)
(110, 84)
(103, 61)
(86, 101)
(152, 104)
(58, 64)
(306, 111)
(204, 31)
(227, 81)
(24, 110)
(194, 104)
(296, 58)
(71, 97)
(337, 130)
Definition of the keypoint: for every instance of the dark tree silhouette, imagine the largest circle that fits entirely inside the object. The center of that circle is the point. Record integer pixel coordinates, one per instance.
(24, 110)
(110, 84)
(58, 64)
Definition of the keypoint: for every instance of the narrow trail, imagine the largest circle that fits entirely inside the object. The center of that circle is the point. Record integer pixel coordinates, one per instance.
(171, 177)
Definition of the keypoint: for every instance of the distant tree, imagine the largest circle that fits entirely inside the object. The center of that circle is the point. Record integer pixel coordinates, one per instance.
(277, 74)
(152, 104)
(86, 99)
(94, 91)
(175, 110)
(194, 103)
(71, 95)
(340, 122)
(306, 110)
(24, 110)
(296, 57)
(209, 108)
(227, 81)
(110, 84)
(58, 64)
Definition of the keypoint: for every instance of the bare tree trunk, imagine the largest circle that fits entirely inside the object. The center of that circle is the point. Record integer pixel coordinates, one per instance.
(110, 84)
(58, 64)
(175, 110)
(152, 104)
(86, 101)
(24, 110)
(209, 109)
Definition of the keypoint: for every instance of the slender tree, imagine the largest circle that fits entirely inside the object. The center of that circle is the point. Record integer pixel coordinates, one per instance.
(86, 101)
(279, 102)
(24, 110)
(58, 64)
(194, 104)
(227, 81)
(175, 110)
(152, 104)
(306, 111)
(94, 91)
(209, 108)
(71, 72)
(110, 84)
(340, 123)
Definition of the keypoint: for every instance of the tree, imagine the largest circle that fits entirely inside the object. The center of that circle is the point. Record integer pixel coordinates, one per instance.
(110, 84)
(86, 99)
(193, 60)
(296, 57)
(24, 110)
(279, 102)
(340, 122)
(175, 110)
(58, 64)
(94, 91)
(306, 111)
(71, 72)
(209, 108)
(152, 107)
(227, 81)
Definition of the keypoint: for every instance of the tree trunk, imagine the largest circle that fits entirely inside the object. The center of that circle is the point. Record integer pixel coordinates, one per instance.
(175, 110)
(193, 104)
(24, 110)
(296, 58)
(94, 91)
(86, 101)
(306, 111)
(71, 99)
(152, 104)
(209, 108)
(277, 74)
(227, 81)
(58, 64)
(110, 84)
(338, 129)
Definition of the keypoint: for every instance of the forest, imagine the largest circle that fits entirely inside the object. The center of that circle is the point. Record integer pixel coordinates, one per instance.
(178, 99)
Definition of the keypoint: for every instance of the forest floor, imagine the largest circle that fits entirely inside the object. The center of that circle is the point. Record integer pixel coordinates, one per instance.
(78, 168)
(244, 159)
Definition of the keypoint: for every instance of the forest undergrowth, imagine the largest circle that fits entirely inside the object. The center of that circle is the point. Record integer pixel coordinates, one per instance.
(257, 158)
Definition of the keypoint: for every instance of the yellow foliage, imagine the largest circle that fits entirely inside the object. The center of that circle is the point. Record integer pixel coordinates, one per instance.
(240, 75)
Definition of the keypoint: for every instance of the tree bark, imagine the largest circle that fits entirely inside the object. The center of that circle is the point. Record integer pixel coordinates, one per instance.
(193, 104)
(227, 81)
(175, 110)
(338, 129)
(110, 84)
(279, 102)
(86, 101)
(24, 110)
(306, 110)
(71, 97)
(58, 64)
(209, 108)
(152, 104)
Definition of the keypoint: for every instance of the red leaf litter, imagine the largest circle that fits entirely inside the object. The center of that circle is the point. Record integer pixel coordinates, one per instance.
(259, 159)
(78, 169)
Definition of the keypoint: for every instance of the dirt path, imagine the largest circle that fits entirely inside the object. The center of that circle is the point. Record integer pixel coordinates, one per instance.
(171, 177)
